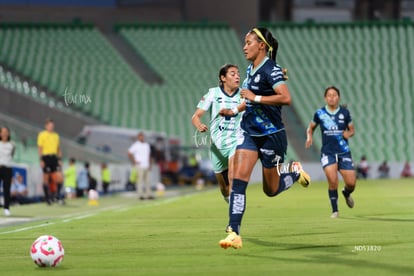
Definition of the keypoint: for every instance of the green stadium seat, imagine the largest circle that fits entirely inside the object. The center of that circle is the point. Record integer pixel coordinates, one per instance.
(370, 63)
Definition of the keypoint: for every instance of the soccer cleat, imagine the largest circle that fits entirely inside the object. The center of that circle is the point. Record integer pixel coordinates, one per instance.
(7, 212)
(226, 199)
(349, 200)
(334, 215)
(304, 178)
(232, 240)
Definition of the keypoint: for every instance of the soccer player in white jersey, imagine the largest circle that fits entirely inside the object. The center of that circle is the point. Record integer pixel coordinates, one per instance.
(222, 128)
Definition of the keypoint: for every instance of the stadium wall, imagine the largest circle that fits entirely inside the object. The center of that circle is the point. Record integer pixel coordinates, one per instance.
(120, 173)
(21, 106)
(241, 14)
(103, 17)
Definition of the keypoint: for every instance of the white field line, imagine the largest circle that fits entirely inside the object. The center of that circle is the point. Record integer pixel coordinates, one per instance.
(27, 228)
(83, 215)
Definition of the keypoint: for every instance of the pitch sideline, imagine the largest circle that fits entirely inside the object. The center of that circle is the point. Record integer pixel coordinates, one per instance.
(87, 214)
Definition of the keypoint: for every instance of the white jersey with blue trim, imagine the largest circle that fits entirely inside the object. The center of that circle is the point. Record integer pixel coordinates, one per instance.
(222, 129)
(261, 119)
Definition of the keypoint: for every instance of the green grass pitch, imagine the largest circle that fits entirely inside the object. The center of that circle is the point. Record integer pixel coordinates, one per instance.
(291, 234)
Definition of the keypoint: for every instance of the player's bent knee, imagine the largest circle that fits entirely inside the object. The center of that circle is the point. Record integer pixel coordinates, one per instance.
(270, 193)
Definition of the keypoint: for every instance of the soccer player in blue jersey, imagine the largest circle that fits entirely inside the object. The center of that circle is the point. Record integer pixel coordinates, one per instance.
(263, 133)
(222, 129)
(336, 127)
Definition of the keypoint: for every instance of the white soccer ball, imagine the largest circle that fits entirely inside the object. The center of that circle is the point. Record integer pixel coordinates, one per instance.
(93, 195)
(47, 251)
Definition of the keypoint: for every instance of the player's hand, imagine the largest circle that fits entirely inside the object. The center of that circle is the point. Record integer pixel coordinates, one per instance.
(285, 76)
(202, 127)
(247, 94)
(308, 143)
(225, 112)
(345, 134)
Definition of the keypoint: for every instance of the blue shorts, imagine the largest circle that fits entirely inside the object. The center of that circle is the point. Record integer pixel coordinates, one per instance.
(344, 160)
(271, 148)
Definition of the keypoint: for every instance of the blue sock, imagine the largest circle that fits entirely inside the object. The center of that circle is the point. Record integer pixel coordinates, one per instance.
(333, 197)
(346, 191)
(286, 181)
(237, 204)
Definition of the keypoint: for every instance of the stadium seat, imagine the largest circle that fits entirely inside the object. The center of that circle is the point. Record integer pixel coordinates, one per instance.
(363, 60)
(369, 63)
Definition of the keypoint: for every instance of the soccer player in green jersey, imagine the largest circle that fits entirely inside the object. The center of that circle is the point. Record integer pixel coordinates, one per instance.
(222, 128)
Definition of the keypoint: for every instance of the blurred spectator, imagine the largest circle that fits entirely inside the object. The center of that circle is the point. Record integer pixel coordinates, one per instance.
(18, 190)
(207, 171)
(83, 181)
(132, 179)
(70, 179)
(93, 183)
(192, 162)
(106, 177)
(189, 173)
(169, 172)
(7, 148)
(384, 170)
(363, 168)
(406, 172)
(139, 153)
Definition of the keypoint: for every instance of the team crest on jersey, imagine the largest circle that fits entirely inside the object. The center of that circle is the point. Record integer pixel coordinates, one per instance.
(341, 116)
(257, 78)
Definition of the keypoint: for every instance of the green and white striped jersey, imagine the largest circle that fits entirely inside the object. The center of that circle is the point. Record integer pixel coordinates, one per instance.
(222, 129)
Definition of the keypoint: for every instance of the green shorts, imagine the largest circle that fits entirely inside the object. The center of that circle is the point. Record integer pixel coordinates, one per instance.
(220, 157)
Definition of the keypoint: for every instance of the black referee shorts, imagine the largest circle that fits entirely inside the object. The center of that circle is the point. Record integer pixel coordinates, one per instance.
(51, 163)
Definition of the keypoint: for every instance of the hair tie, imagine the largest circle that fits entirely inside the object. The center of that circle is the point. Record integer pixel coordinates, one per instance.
(260, 35)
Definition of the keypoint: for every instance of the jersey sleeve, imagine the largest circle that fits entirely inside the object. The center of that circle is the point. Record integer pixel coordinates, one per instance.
(58, 140)
(348, 118)
(40, 139)
(131, 149)
(206, 101)
(275, 76)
